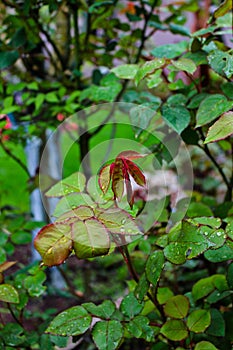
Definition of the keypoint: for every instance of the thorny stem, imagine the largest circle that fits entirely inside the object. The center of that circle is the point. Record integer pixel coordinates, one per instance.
(16, 159)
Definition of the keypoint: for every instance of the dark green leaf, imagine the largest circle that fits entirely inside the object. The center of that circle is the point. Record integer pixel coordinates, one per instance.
(8, 58)
(223, 253)
(107, 335)
(217, 326)
(139, 328)
(104, 310)
(71, 322)
(178, 117)
(154, 267)
(130, 306)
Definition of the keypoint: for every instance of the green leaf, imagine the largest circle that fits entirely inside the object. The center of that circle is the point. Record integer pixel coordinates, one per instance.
(197, 209)
(104, 178)
(107, 335)
(130, 306)
(104, 310)
(21, 237)
(71, 322)
(211, 108)
(198, 321)
(8, 294)
(221, 62)
(39, 100)
(221, 129)
(34, 283)
(90, 238)
(125, 71)
(174, 330)
(154, 267)
(154, 79)
(170, 50)
(177, 306)
(13, 335)
(178, 117)
(223, 8)
(54, 243)
(51, 97)
(205, 345)
(217, 326)
(73, 183)
(140, 117)
(71, 201)
(221, 254)
(8, 58)
(142, 288)
(139, 328)
(209, 221)
(185, 64)
(202, 288)
(148, 68)
(164, 294)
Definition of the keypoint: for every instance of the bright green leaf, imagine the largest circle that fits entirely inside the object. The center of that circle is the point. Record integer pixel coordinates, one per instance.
(170, 50)
(73, 183)
(125, 71)
(71, 322)
(221, 129)
(148, 68)
(164, 294)
(185, 64)
(8, 294)
(198, 321)
(205, 345)
(177, 306)
(174, 330)
(211, 108)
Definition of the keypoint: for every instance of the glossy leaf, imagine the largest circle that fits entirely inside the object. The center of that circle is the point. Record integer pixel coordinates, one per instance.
(185, 64)
(71, 322)
(174, 330)
(139, 328)
(54, 243)
(125, 71)
(221, 254)
(104, 178)
(154, 267)
(177, 307)
(178, 117)
(8, 294)
(205, 345)
(221, 129)
(170, 50)
(211, 108)
(73, 183)
(90, 238)
(104, 310)
(148, 68)
(130, 306)
(198, 321)
(107, 335)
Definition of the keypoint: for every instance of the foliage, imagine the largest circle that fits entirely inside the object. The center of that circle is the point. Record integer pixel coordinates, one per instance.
(168, 287)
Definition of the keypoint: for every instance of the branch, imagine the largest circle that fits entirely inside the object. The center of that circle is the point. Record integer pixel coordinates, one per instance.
(16, 159)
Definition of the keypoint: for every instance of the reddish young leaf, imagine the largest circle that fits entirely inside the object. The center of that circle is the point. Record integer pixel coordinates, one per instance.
(135, 172)
(130, 155)
(104, 178)
(118, 179)
(54, 244)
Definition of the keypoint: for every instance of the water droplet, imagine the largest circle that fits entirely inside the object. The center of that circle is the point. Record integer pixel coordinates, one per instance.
(218, 234)
(206, 233)
(50, 250)
(123, 221)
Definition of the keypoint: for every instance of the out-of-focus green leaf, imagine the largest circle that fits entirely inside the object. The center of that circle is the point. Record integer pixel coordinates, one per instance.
(221, 129)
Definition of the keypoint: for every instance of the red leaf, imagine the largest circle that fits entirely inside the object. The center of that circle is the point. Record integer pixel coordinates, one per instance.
(118, 179)
(104, 178)
(135, 172)
(130, 155)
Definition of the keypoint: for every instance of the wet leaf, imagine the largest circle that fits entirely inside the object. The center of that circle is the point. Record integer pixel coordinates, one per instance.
(8, 294)
(178, 117)
(107, 335)
(148, 68)
(130, 306)
(154, 267)
(71, 322)
(54, 243)
(125, 71)
(185, 64)
(90, 238)
(73, 183)
(104, 310)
